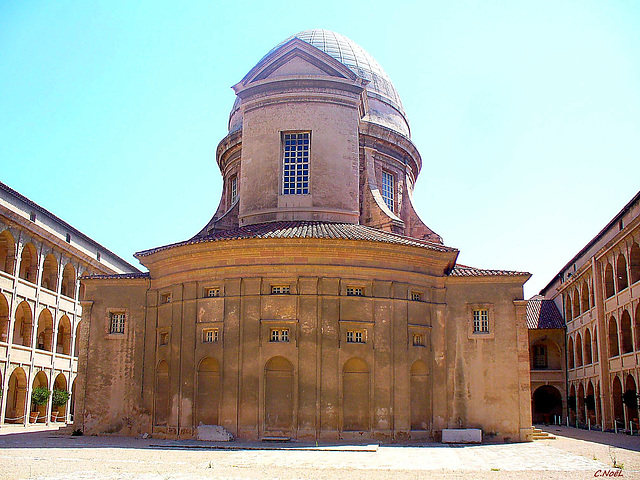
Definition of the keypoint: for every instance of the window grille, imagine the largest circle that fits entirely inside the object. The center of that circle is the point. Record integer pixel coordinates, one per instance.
(280, 289)
(279, 335)
(480, 321)
(355, 336)
(116, 324)
(210, 335)
(295, 175)
(355, 291)
(388, 185)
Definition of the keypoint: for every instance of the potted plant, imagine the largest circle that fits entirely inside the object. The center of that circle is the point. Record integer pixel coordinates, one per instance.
(60, 398)
(39, 396)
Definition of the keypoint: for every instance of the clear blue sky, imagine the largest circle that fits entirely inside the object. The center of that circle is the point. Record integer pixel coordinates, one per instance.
(527, 114)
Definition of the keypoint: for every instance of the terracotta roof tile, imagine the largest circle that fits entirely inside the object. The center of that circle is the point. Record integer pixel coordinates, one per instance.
(306, 229)
(465, 271)
(118, 275)
(543, 314)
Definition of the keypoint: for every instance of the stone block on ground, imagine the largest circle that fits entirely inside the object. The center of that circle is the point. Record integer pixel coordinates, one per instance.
(213, 433)
(461, 435)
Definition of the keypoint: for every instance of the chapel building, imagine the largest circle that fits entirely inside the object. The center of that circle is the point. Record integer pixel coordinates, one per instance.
(315, 303)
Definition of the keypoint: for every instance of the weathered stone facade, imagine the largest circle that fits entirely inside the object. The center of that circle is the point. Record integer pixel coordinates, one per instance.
(315, 304)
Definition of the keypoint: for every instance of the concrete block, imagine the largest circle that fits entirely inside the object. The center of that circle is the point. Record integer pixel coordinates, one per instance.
(213, 433)
(461, 435)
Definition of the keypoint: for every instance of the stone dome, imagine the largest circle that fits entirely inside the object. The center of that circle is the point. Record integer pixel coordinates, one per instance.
(385, 107)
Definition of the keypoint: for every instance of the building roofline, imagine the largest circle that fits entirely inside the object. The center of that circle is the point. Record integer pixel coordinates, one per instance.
(594, 240)
(57, 219)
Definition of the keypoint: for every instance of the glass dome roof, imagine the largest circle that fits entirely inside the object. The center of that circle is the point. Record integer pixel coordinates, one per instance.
(385, 107)
(353, 56)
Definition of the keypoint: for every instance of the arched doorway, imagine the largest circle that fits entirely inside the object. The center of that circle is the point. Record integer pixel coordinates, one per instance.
(631, 401)
(16, 397)
(162, 404)
(59, 412)
(22, 325)
(547, 402)
(208, 392)
(580, 408)
(4, 319)
(50, 273)
(44, 336)
(7, 252)
(618, 406)
(63, 342)
(355, 396)
(590, 404)
(572, 404)
(72, 405)
(419, 386)
(68, 286)
(29, 263)
(40, 381)
(278, 396)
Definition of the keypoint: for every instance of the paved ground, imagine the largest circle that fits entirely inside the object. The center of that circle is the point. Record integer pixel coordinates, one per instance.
(36, 453)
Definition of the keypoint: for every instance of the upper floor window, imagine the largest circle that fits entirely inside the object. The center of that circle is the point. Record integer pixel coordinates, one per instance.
(295, 174)
(418, 340)
(416, 296)
(233, 188)
(210, 335)
(388, 184)
(355, 291)
(116, 322)
(165, 298)
(481, 321)
(540, 356)
(279, 335)
(356, 336)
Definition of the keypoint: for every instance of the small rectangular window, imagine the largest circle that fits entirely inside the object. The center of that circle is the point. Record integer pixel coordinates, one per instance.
(210, 335)
(98, 256)
(165, 298)
(295, 163)
(116, 322)
(481, 321)
(280, 289)
(416, 296)
(388, 186)
(279, 335)
(418, 340)
(32, 216)
(164, 338)
(212, 292)
(540, 356)
(356, 336)
(355, 291)
(68, 238)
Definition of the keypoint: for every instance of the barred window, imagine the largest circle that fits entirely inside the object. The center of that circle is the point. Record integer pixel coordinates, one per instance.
(540, 356)
(416, 296)
(295, 175)
(233, 188)
(212, 292)
(210, 335)
(355, 291)
(418, 340)
(481, 321)
(280, 289)
(116, 322)
(388, 185)
(279, 335)
(355, 336)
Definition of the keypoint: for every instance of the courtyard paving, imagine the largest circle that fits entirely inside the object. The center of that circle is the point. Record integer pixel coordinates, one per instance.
(38, 453)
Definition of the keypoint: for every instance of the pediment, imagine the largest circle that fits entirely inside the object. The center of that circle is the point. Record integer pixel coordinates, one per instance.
(296, 58)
